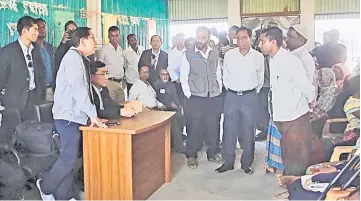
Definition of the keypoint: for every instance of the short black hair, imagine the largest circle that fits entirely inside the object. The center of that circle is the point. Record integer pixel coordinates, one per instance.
(95, 65)
(69, 23)
(151, 39)
(130, 35)
(39, 20)
(112, 29)
(25, 22)
(79, 33)
(142, 67)
(274, 33)
(249, 31)
(233, 28)
(204, 29)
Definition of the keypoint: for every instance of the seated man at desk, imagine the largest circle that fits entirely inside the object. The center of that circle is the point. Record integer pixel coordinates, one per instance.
(106, 107)
(167, 95)
(143, 91)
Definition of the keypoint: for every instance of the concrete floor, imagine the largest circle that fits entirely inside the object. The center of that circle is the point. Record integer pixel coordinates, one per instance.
(205, 184)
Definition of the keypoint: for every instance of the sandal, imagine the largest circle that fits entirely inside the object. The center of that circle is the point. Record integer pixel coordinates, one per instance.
(192, 163)
(279, 196)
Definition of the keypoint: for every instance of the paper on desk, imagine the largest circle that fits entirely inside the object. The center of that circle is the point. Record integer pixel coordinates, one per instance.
(136, 105)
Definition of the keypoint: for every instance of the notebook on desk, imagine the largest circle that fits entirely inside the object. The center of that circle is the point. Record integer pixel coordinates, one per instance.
(136, 105)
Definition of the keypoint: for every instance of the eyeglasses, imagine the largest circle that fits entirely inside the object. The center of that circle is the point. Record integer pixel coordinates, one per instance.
(103, 74)
(30, 63)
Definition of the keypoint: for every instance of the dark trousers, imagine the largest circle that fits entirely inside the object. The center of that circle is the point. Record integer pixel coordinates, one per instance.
(177, 130)
(59, 180)
(203, 112)
(239, 121)
(128, 87)
(297, 192)
(262, 111)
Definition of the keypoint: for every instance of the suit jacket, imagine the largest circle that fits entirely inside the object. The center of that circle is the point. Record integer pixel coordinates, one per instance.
(14, 76)
(146, 60)
(111, 108)
(50, 49)
(167, 94)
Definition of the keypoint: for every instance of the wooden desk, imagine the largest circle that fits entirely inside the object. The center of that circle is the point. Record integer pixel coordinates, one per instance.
(130, 161)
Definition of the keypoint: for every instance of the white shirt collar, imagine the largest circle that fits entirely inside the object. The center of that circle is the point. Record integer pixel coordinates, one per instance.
(208, 49)
(298, 50)
(96, 88)
(110, 45)
(24, 48)
(156, 54)
(176, 49)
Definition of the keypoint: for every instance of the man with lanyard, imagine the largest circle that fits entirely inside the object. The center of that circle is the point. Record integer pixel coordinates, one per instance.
(73, 106)
(201, 79)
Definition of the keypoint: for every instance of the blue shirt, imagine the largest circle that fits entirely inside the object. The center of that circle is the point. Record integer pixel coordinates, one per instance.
(71, 97)
(48, 66)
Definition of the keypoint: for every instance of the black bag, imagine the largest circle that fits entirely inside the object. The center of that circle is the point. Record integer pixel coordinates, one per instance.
(36, 137)
(12, 181)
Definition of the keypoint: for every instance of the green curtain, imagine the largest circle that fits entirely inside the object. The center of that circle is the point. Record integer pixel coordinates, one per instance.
(155, 9)
(139, 30)
(10, 16)
(163, 30)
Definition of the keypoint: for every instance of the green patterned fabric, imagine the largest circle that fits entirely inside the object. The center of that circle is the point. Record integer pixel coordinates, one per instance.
(10, 16)
(154, 9)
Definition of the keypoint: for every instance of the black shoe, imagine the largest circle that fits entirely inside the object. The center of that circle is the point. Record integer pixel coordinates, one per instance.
(224, 168)
(262, 136)
(248, 170)
(216, 159)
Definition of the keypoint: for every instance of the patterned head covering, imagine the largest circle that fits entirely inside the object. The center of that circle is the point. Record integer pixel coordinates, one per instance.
(327, 84)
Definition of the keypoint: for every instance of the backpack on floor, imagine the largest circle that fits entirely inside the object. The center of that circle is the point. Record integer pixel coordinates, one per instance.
(36, 138)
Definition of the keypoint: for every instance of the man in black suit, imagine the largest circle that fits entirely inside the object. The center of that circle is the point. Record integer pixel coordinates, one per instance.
(106, 107)
(21, 71)
(154, 58)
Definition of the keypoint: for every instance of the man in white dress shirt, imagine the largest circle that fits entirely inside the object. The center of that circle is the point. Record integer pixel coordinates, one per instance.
(201, 81)
(142, 90)
(243, 74)
(112, 55)
(296, 41)
(131, 58)
(290, 95)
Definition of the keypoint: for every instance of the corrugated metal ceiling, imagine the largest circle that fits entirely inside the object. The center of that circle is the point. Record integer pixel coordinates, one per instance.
(337, 6)
(269, 6)
(197, 9)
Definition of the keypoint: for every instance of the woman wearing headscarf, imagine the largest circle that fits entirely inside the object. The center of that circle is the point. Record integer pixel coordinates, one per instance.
(340, 69)
(327, 83)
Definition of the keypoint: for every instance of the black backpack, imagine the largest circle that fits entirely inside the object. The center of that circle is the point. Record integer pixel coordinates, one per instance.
(36, 138)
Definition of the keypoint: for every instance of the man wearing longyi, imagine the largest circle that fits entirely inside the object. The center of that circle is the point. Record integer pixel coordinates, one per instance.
(106, 107)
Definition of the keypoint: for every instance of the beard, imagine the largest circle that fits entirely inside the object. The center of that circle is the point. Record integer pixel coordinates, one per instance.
(165, 81)
(200, 46)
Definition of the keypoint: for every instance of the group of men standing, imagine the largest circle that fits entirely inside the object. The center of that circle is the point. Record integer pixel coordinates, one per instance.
(194, 68)
(275, 79)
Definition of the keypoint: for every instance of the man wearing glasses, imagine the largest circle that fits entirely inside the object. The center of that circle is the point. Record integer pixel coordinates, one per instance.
(22, 82)
(106, 107)
(73, 107)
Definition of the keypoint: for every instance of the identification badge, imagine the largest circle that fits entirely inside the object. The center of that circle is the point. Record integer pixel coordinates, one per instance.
(162, 91)
(239, 93)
